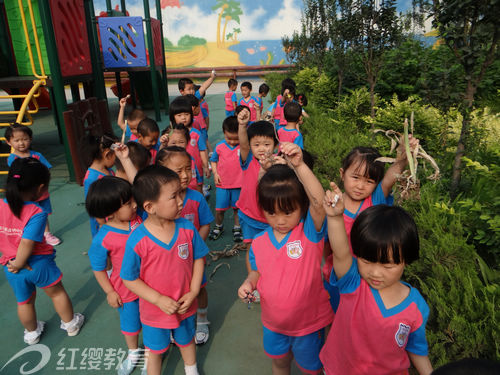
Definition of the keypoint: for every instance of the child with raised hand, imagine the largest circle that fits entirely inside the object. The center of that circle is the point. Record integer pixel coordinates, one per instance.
(19, 138)
(196, 210)
(139, 156)
(227, 177)
(186, 86)
(110, 200)
(249, 101)
(163, 265)
(100, 158)
(230, 99)
(129, 125)
(290, 132)
(148, 133)
(380, 321)
(27, 259)
(286, 265)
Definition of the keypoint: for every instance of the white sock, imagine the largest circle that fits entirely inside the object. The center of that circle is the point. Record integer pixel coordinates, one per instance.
(191, 369)
(202, 315)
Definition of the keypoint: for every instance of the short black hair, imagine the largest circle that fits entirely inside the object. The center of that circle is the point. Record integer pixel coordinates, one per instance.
(183, 82)
(292, 111)
(230, 124)
(264, 88)
(469, 366)
(289, 84)
(180, 104)
(92, 147)
(15, 127)
(148, 183)
(138, 154)
(107, 195)
(232, 82)
(246, 84)
(280, 189)
(166, 153)
(184, 130)
(365, 157)
(195, 102)
(147, 127)
(263, 129)
(382, 234)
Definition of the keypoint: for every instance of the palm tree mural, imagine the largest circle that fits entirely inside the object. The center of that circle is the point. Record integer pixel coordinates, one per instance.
(235, 34)
(222, 5)
(230, 10)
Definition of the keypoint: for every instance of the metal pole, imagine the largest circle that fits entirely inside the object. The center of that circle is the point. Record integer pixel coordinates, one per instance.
(152, 67)
(166, 100)
(109, 8)
(124, 9)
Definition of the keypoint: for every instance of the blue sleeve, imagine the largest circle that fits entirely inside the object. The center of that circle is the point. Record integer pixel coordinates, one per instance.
(299, 141)
(310, 230)
(378, 196)
(215, 156)
(197, 94)
(202, 144)
(417, 342)
(128, 132)
(204, 214)
(43, 160)
(11, 159)
(35, 227)
(251, 257)
(234, 98)
(199, 178)
(98, 255)
(350, 281)
(131, 264)
(204, 112)
(200, 248)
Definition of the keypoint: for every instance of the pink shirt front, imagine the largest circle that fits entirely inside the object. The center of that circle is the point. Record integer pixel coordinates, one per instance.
(248, 196)
(193, 149)
(292, 296)
(278, 108)
(229, 100)
(228, 165)
(201, 120)
(250, 103)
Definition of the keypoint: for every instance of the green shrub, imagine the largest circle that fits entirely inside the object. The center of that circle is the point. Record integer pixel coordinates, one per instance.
(274, 82)
(324, 92)
(191, 41)
(354, 108)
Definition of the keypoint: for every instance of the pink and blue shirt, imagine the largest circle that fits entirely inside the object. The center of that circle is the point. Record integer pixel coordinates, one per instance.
(165, 267)
(292, 296)
(291, 135)
(228, 165)
(195, 209)
(368, 338)
(229, 99)
(128, 133)
(249, 103)
(33, 154)
(248, 196)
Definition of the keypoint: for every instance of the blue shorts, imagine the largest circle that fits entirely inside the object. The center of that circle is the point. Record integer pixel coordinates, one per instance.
(334, 293)
(229, 113)
(158, 339)
(44, 274)
(250, 227)
(46, 206)
(204, 134)
(305, 349)
(130, 323)
(226, 198)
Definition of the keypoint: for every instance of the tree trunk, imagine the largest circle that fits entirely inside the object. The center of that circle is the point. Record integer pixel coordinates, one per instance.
(371, 82)
(464, 136)
(223, 41)
(340, 75)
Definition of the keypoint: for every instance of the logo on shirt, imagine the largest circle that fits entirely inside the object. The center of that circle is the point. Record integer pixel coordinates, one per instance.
(183, 250)
(193, 142)
(238, 152)
(402, 334)
(294, 249)
(189, 217)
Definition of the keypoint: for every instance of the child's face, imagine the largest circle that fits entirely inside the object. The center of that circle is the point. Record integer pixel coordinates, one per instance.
(233, 87)
(245, 91)
(261, 146)
(356, 185)
(263, 94)
(20, 141)
(181, 165)
(188, 89)
(231, 139)
(380, 275)
(127, 211)
(149, 140)
(168, 206)
(283, 222)
(132, 124)
(177, 138)
(183, 118)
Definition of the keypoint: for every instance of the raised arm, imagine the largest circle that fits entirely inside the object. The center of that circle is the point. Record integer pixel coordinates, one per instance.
(121, 113)
(204, 87)
(243, 118)
(122, 153)
(333, 204)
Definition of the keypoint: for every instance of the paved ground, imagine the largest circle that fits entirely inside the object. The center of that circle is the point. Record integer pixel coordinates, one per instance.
(235, 345)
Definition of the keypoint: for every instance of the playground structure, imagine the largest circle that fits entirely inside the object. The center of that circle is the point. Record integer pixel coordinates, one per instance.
(50, 44)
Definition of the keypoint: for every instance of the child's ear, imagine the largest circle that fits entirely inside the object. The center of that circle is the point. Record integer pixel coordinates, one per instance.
(341, 170)
(108, 154)
(148, 206)
(40, 190)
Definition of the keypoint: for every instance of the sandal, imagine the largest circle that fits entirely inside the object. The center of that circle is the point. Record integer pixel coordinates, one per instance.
(216, 232)
(237, 235)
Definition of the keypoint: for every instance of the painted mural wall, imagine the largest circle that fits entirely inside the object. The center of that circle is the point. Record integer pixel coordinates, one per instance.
(209, 33)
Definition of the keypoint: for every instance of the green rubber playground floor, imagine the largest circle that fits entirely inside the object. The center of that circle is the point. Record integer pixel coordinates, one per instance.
(235, 344)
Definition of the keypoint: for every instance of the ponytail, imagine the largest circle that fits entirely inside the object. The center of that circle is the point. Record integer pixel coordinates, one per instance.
(24, 178)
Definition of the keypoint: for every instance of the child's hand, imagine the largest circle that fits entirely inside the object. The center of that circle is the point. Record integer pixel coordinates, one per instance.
(123, 101)
(401, 153)
(292, 153)
(270, 160)
(167, 305)
(245, 292)
(185, 302)
(164, 139)
(13, 267)
(256, 106)
(214, 73)
(206, 172)
(217, 180)
(121, 150)
(243, 117)
(333, 202)
(114, 299)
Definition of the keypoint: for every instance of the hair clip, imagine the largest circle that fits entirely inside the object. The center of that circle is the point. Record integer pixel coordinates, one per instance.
(16, 176)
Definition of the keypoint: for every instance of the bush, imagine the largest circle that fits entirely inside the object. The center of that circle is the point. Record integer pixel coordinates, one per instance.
(191, 41)
(274, 82)
(305, 80)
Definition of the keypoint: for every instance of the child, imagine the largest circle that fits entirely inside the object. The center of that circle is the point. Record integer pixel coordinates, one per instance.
(263, 91)
(302, 100)
(27, 259)
(286, 265)
(163, 265)
(290, 133)
(148, 133)
(230, 98)
(186, 86)
(139, 156)
(100, 158)
(110, 200)
(227, 178)
(287, 88)
(129, 126)
(19, 138)
(249, 101)
(380, 320)
(196, 210)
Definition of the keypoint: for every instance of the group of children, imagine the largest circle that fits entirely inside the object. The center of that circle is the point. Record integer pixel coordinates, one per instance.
(326, 267)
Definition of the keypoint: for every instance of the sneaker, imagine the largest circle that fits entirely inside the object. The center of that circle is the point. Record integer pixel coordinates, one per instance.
(74, 326)
(51, 239)
(216, 232)
(33, 337)
(206, 190)
(128, 365)
(256, 296)
(202, 333)
(237, 235)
